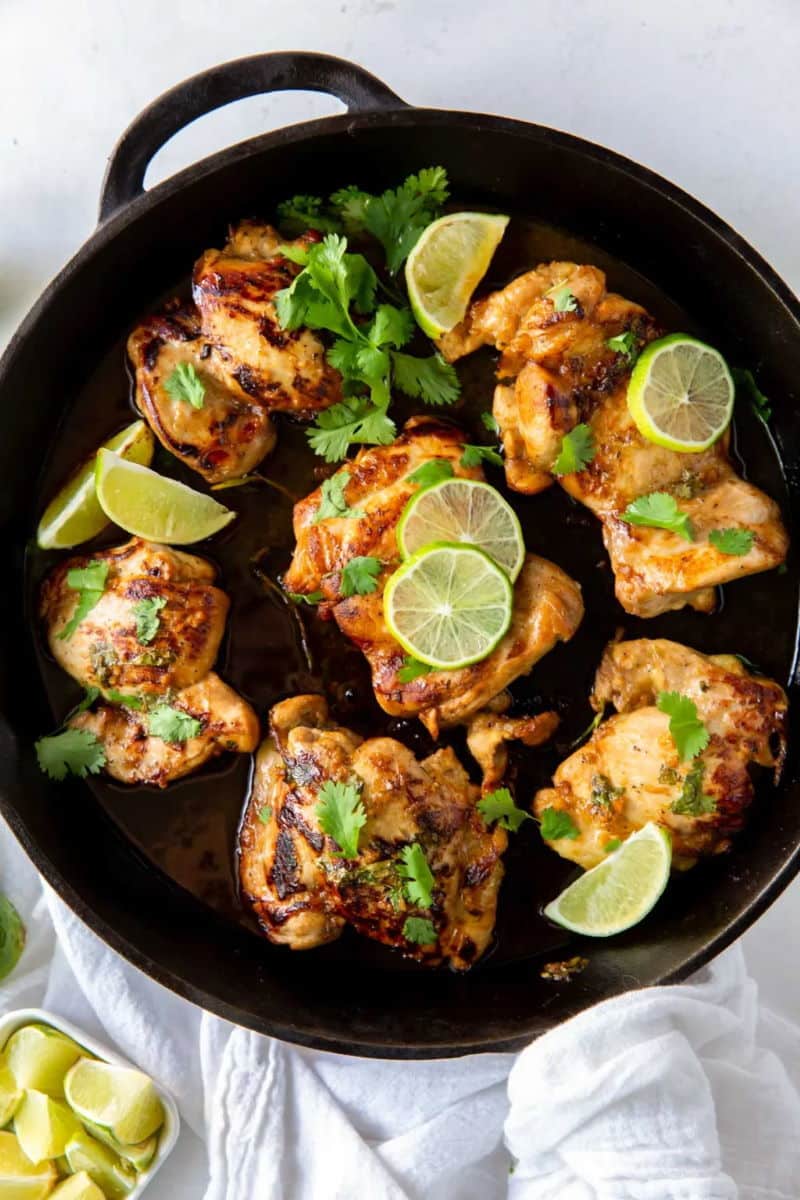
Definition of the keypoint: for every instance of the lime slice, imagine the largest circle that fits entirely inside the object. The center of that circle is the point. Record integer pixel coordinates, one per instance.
(140, 1155)
(619, 892)
(448, 605)
(151, 506)
(447, 264)
(74, 514)
(122, 1100)
(114, 1177)
(20, 1179)
(44, 1126)
(39, 1058)
(77, 1187)
(10, 1093)
(463, 510)
(681, 394)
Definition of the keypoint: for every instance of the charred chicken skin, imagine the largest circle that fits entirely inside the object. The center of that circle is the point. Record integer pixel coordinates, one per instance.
(557, 370)
(547, 603)
(173, 666)
(301, 887)
(629, 772)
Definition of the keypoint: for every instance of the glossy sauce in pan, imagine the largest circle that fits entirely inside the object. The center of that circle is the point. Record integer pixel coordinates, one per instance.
(272, 650)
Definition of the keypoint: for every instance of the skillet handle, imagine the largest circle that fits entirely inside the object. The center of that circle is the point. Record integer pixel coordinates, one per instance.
(291, 71)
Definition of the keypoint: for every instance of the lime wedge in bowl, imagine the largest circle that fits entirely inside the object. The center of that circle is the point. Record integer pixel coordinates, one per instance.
(681, 394)
(115, 1178)
(119, 1099)
(447, 264)
(466, 511)
(39, 1058)
(77, 1187)
(620, 892)
(74, 515)
(154, 507)
(44, 1126)
(20, 1179)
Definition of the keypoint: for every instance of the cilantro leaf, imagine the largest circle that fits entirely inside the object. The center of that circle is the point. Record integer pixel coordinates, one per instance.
(391, 326)
(688, 732)
(341, 815)
(89, 582)
(563, 300)
(300, 213)
(412, 669)
(747, 386)
(431, 379)
(147, 619)
(557, 824)
(577, 449)
(349, 421)
(135, 702)
(351, 204)
(432, 472)
(661, 511)
(73, 752)
(332, 499)
(693, 802)
(419, 881)
(420, 931)
(264, 814)
(624, 343)
(499, 806)
(611, 845)
(310, 598)
(360, 575)
(183, 383)
(732, 541)
(603, 791)
(172, 724)
(473, 456)
(490, 423)
(398, 217)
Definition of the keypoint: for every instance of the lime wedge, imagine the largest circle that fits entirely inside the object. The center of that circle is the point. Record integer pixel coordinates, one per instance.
(77, 1187)
(151, 506)
(448, 605)
(619, 892)
(44, 1126)
(40, 1057)
(20, 1179)
(114, 1177)
(139, 1155)
(10, 1093)
(463, 510)
(681, 394)
(447, 264)
(122, 1100)
(74, 514)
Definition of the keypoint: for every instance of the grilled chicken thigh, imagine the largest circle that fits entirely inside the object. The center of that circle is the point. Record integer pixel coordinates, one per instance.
(557, 370)
(173, 666)
(547, 603)
(301, 887)
(249, 366)
(629, 772)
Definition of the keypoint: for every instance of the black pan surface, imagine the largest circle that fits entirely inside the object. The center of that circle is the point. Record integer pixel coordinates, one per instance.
(153, 872)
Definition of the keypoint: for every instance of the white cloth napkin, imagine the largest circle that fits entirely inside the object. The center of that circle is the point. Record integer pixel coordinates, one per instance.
(681, 1093)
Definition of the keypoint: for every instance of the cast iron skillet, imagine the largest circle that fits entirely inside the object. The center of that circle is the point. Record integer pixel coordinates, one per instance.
(62, 388)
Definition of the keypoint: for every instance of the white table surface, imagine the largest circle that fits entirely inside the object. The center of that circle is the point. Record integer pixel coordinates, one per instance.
(706, 92)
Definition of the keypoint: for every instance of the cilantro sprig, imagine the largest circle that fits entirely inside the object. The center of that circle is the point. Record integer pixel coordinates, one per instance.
(172, 724)
(71, 752)
(473, 456)
(556, 823)
(333, 502)
(412, 669)
(360, 575)
(432, 472)
(499, 806)
(659, 510)
(419, 930)
(341, 815)
(89, 582)
(563, 299)
(398, 216)
(732, 541)
(577, 450)
(693, 801)
(183, 383)
(688, 732)
(624, 343)
(147, 619)
(418, 878)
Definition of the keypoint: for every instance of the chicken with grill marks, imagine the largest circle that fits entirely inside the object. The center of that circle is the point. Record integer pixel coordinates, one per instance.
(547, 603)
(248, 365)
(304, 891)
(135, 671)
(629, 772)
(557, 370)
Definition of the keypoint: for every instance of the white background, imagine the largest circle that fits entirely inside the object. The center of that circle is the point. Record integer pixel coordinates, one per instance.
(706, 92)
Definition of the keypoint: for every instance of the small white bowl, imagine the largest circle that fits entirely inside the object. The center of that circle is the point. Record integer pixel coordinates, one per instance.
(168, 1135)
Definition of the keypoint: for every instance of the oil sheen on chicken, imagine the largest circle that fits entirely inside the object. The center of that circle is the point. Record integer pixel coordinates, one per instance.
(556, 370)
(629, 772)
(304, 891)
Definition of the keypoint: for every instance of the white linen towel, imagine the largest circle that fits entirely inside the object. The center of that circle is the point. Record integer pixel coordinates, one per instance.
(680, 1093)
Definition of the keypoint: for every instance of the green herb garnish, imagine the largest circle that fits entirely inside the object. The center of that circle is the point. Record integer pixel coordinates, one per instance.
(360, 576)
(184, 383)
(89, 582)
(499, 806)
(332, 499)
(432, 472)
(473, 456)
(555, 824)
(693, 802)
(73, 752)
(412, 669)
(418, 878)
(624, 343)
(747, 386)
(147, 619)
(172, 724)
(603, 791)
(661, 511)
(341, 815)
(688, 732)
(563, 299)
(577, 449)
(419, 930)
(732, 541)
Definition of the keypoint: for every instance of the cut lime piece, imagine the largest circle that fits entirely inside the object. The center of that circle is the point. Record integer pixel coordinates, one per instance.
(681, 394)
(619, 892)
(44, 1126)
(122, 1100)
(39, 1058)
(447, 264)
(74, 515)
(112, 1175)
(449, 605)
(139, 1155)
(151, 506)
(20, 1179)
(77, 1187)
(10, 1093)
(467, 511)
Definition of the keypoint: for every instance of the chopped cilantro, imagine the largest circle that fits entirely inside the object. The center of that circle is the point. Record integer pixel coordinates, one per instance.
(89, 582)
(473, 456)
(309, 598)
(432, 472)
(732, 541)
(412, 669)
(430, 379)
(624, 343)
(341, 815)
(693, 802)
(499, 806)
(688, 732)
(603, 791)
(490, 422)
(419, 930)
(184, 383)
(557, 824)
(264, 814)
(611, 845)
(147, 619)
(134, 702)
(577, 449)
(563, 299)
(332, 499)
(360, 576)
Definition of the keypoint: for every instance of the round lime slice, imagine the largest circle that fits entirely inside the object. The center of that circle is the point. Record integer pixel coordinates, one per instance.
(20, 1179)
(77, 1187)
(619, 892)
(74, 515)
(122, 1100)
(447, 264)
(449, 605)
(463, 510)
(681, 394)
(44, 1126)
(153, 507)
(115, 1178)
(39, 1058)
